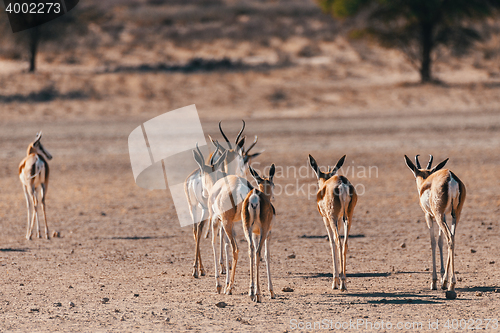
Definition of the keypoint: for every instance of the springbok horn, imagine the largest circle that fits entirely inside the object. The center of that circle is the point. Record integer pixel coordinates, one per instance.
(417, 162)
(430, 162)
(224, 135)
(239, 134)
(252, 145)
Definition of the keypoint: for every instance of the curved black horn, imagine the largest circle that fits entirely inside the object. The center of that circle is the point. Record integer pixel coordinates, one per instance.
(239, 134)
(429, 165)
(224, 135)
(417, 162)
(252, 145)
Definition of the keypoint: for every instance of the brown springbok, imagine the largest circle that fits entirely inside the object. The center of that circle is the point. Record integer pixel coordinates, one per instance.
(258, 215)
(336, 199)
(196, 187)
(440, 192)
(34, 175)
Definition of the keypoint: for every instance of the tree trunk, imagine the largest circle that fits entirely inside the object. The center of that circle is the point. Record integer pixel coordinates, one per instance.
(34, 38)
(426, 47)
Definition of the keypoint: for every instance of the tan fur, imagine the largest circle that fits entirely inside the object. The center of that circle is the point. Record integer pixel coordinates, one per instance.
(34, 175)
(224, 203)
(257, 225)
(336, 199)
(440, 192)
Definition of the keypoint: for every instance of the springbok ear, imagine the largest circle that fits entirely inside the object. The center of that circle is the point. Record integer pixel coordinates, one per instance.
(439, 166)
(411, 166)
(255, 175)
(271, 172)
(314, 166)
(198, 159)
(337, 166)
(217, 165)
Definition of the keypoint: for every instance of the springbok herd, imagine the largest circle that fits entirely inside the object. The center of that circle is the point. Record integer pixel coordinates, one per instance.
(219, 193)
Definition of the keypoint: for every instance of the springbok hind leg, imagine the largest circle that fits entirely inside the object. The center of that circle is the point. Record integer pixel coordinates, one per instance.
(43, 211)
(336, 279)
(267, 255)
(430, 225)
(29, 205)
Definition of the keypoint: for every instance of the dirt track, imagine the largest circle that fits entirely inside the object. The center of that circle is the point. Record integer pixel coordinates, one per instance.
(124, 243)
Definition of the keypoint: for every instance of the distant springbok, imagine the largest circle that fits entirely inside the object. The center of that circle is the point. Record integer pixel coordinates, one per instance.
(34, 175)
(440, 192)
(258, 214)
(336, 199)
(196, 187)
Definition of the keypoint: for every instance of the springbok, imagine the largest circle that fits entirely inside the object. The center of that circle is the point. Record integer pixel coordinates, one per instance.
(234, 165)
(440, 192)
(258, 214)
(197, 187)
(34, 175)
(336, 199)
(225, 204)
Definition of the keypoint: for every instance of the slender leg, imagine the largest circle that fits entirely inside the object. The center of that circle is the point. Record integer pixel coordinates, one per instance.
(336, 280)
(453, 229)
(194, 217)
(234, 248)
(449, 239)
(267, 255)
(36, 201)
(215, 227)
(258, 295)
(430, 224)
(221, 258)
(251, 255)
(43, 211)
(201, 269)
(338, 246)
(28, 204)
(34, 214)
(347, 227)
(440, 245)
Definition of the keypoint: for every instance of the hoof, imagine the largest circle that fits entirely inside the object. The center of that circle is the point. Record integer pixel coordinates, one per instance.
(444, 286)
(228, 291)
(434, 285)
(256, 298)
(202, 272)
(195, 273)
(451, 294)
(219, 289)
(273, 296)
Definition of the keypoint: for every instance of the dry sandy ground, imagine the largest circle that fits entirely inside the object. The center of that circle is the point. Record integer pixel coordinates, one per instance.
(124, 243)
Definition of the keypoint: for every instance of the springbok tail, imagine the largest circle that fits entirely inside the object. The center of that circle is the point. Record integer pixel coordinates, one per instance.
(254, 205)
(36, 169)
(345, 199)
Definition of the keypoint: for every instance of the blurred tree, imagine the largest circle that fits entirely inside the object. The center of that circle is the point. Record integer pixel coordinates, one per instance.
(418, 26)
(63, 31)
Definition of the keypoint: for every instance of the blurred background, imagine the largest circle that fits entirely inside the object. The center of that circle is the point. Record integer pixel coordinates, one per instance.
(294, 58)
